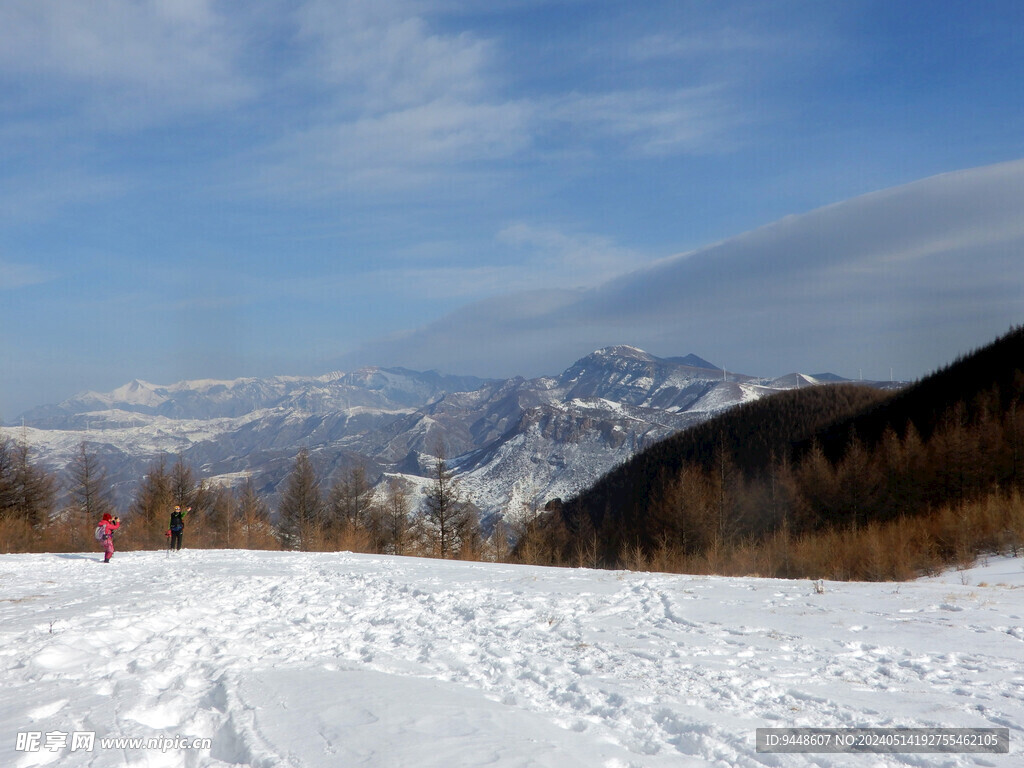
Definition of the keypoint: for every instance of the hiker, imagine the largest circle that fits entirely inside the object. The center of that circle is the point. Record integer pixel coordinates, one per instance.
(178, 526)
(105, 533)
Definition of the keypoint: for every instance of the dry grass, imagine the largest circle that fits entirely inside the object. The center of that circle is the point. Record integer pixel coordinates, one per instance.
(894, 551)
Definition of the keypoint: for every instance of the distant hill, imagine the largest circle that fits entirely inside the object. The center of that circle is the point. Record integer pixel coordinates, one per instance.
(693, 361)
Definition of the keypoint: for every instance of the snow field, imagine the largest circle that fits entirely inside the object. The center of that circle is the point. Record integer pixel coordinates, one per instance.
(310, 659)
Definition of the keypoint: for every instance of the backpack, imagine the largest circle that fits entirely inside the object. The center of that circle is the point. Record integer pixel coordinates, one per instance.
(101, 532)
(177, 523)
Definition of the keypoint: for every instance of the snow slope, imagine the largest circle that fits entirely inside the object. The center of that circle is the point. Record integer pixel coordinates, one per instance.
(342, 660)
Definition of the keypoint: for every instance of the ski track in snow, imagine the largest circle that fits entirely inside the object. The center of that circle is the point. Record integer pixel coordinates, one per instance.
(341, 659)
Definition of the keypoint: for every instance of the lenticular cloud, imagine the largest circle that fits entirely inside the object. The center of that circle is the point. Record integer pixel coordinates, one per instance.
(898, 277)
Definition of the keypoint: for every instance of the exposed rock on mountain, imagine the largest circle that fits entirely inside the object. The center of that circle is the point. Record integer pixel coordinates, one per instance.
(513, 442)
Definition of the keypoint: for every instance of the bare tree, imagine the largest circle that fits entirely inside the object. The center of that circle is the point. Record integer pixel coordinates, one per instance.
(8, 494)
(90, 493)
(221, 519)
(350, 501)
(396, 509)
(302, 505)
(453, 522)
(152, 504)
(27, 492)
(254, 518)
(184, 487)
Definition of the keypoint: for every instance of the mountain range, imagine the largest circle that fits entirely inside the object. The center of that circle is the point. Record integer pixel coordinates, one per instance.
(512, 442)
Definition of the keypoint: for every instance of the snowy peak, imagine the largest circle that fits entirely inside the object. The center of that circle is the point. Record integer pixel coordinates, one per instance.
(386, 389)
(621, 351)
(136, 392)
(635, 377)
(794, 381)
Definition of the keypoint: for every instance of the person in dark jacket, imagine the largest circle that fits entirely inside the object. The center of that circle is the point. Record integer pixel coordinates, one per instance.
(178, 525)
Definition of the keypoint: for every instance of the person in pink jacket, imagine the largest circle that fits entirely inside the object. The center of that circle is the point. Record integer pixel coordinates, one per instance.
(109, 525)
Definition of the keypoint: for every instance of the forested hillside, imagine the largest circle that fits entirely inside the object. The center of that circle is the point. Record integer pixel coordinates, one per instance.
(811, 463)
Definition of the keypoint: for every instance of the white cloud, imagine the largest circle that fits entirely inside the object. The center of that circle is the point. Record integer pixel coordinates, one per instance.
(124, 63)
(406, 148)
(399, 105)
(385, 57)
(907, 277)
(523, 257)
(403, 103)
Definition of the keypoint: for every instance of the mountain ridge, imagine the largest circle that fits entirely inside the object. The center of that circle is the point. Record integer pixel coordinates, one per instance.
(512, 441)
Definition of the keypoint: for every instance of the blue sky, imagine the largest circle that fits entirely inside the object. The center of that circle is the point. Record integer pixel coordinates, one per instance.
(198, 189)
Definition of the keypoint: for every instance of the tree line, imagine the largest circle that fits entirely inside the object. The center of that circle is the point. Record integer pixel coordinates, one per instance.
(348, 514)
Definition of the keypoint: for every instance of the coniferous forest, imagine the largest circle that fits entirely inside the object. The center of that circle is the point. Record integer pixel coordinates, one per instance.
(833, 481)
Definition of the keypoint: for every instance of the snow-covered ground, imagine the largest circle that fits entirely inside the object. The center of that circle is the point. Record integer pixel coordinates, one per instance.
(288, 659)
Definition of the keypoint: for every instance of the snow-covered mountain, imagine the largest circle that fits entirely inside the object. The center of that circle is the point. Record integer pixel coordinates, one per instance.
(375, 388)
(513, 442)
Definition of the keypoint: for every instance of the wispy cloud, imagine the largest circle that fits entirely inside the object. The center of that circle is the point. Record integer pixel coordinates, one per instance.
(653, 122)
(385, 56)
(404, 149)
(14, 275)
(404, 104)
(123, 64)
(724, 39)
(521, 257)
